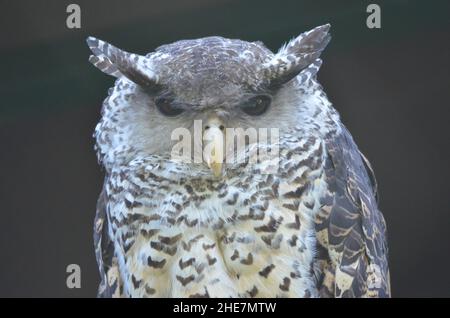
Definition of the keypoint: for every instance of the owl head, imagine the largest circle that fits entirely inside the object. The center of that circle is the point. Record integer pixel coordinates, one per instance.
(217, 82)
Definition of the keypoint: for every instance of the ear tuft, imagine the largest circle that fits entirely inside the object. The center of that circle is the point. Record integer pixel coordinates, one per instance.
(116, 62)
(308, 42)
(101, 60)
(298, 54)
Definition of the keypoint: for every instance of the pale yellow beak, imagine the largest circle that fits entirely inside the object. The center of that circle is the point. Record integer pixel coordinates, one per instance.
(213, 152)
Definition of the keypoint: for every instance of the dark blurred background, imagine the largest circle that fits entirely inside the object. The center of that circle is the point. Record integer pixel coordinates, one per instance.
(391, 86)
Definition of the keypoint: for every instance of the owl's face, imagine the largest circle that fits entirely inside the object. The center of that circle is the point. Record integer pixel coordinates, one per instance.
(213, 82)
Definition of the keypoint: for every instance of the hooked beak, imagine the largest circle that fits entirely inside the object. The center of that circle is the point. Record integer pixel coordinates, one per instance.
(213, 153)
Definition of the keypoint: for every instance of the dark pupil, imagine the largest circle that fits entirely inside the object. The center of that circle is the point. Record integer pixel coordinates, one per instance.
(257, 105)
(166, 107)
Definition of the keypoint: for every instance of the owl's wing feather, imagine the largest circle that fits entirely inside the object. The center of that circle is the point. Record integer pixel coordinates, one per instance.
(351, 231)
(104, 251)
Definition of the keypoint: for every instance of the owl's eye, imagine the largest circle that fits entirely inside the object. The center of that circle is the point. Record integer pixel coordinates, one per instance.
(257, 105)
(167, 108)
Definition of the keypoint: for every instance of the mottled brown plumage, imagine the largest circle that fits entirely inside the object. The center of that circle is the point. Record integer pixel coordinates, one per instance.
(165, 228)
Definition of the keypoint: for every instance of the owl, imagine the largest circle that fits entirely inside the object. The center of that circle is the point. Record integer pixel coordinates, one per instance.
(303, 222)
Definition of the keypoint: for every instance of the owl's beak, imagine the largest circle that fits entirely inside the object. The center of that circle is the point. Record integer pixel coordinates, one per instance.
(214, 144)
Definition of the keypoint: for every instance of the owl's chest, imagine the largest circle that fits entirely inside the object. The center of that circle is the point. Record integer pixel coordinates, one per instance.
(253, 242)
